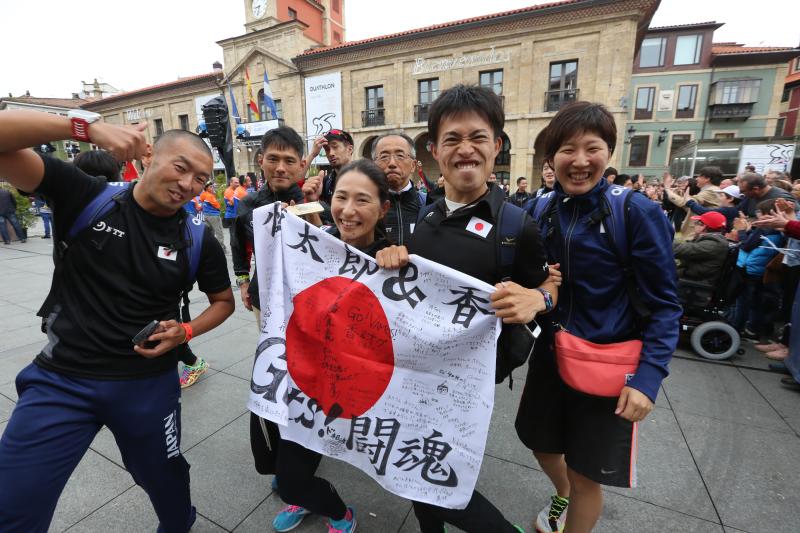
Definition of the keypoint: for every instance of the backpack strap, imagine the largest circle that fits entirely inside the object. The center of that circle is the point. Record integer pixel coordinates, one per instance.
(616, 223)
(510, 221)
(193, 231)
(98, 207)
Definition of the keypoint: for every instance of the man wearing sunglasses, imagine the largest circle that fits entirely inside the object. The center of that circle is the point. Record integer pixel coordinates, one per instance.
(395, 154)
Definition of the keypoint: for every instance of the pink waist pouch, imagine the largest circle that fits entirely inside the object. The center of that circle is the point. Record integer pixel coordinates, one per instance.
(596, 369)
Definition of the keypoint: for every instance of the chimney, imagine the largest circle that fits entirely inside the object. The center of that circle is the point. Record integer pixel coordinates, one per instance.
(75, 96)
(27, 93)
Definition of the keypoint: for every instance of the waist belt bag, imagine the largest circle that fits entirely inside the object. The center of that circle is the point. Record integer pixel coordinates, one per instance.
(596, 369)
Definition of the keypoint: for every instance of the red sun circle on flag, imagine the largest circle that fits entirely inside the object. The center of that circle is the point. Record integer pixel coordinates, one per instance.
(339, 346)
(479, 226)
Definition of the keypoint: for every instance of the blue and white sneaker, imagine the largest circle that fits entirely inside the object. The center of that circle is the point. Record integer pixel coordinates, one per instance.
(289, 518)
(345, 525)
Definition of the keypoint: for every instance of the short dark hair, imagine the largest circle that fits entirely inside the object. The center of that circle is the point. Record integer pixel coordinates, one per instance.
(610, 171)
(622, 179)
(520, 179)
(411, 149)
(98, 163)
(751, 179)
(283, 138)
(173, 135)
(576, 118)
(464, 99)
(714, 174)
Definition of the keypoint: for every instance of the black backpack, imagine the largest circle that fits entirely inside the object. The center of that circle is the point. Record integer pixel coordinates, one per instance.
(516, 342)
(99, 206)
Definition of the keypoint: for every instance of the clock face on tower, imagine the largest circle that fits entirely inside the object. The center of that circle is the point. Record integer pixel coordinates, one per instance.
(259, 8)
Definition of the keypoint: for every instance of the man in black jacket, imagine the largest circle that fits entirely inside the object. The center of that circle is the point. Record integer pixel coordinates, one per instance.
(395, 154)
(283, 166)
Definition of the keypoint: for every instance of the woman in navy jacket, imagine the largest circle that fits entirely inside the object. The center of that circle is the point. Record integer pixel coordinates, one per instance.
(582, 441)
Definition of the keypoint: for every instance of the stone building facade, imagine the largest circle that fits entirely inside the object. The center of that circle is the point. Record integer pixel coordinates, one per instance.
(536, 58)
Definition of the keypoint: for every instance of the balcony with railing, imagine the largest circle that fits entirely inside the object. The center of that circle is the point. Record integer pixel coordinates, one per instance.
(554, 100)
(421, 112)
(373, 117)
(730, 111)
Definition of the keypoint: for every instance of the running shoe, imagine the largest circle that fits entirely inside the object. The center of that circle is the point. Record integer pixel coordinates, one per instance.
(345, 525)
(289, 518)
(192, 373)
(552, 518)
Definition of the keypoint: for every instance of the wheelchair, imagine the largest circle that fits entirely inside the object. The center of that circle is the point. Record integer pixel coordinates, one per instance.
(704, 304)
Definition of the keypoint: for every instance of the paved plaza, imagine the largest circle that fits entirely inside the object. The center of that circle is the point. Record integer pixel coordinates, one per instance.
(720, 453)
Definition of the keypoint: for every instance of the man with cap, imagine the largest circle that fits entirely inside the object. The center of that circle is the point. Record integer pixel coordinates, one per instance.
(701, 258)
(729, 199)
(338, 145)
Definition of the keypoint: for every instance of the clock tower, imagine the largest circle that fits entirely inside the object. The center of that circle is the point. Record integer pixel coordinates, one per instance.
(324, 19)
(260, 14)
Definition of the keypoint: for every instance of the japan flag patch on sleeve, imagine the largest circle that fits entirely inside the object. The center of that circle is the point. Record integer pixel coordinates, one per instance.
(167, 253)
(478, 226)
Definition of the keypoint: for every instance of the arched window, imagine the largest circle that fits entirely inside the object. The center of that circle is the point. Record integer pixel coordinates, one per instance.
(504, 157)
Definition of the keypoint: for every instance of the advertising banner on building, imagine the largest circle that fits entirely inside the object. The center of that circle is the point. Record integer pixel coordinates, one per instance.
(391, 371)
(767, 157)
(323, 107)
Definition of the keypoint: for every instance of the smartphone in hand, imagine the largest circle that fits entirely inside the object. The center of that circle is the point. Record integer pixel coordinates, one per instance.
(141, 337)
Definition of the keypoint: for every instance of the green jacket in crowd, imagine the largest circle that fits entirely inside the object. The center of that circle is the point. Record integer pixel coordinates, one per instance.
(701, 259)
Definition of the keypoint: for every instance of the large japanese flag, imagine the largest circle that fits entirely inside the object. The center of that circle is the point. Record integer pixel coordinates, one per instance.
(391, 371)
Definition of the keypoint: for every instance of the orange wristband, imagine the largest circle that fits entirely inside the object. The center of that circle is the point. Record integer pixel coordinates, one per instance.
(188, 330)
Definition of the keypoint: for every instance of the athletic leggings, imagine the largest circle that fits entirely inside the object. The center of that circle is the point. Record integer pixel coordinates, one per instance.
(479, 516)
(297, 484)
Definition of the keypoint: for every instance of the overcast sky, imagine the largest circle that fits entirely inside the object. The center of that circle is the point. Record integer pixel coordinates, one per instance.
(49, 46)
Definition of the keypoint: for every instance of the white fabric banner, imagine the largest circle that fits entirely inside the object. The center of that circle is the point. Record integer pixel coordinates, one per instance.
(391, 371)
(323, 108)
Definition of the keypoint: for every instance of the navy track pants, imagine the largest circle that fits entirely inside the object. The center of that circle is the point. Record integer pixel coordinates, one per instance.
(55, 421)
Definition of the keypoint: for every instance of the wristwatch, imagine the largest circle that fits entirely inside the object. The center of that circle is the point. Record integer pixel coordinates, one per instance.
(241, 280)
(80, 120)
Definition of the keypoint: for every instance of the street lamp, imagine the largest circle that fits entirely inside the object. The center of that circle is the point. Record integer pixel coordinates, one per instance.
(662, 135)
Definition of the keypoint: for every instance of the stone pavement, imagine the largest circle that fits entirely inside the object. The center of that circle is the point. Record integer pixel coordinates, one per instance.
(720, 453)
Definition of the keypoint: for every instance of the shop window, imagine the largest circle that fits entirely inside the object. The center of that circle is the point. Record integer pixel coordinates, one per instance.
(687, 97)
(651, 54)
(687, 49)
(644, 103)
(638, 154)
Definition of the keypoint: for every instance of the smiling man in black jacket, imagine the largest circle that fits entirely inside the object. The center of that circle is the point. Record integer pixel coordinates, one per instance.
(395, 154)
